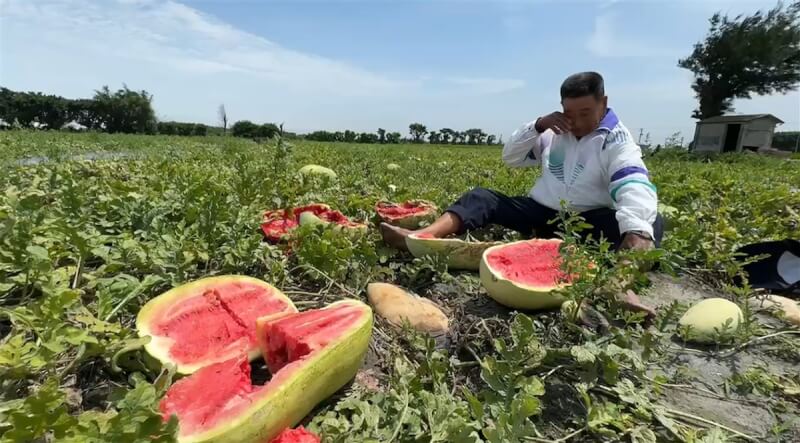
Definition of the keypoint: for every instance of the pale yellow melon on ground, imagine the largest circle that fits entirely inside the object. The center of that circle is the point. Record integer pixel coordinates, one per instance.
(317, 170)
(398, 306)
(707, 318)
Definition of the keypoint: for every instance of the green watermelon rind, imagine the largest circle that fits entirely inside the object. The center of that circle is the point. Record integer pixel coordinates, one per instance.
(460, 255)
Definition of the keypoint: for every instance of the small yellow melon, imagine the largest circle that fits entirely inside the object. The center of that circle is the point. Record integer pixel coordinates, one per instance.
(706, 320)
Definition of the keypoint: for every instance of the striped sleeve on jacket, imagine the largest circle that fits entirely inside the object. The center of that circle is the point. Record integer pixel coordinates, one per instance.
(634, 195)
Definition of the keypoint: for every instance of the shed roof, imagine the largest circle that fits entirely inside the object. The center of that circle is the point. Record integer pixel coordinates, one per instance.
(739, 118)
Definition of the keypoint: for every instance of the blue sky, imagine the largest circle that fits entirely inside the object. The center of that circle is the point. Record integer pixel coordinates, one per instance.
(361, 65)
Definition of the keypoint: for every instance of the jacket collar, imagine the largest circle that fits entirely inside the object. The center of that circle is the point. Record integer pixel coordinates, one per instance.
(609, 121)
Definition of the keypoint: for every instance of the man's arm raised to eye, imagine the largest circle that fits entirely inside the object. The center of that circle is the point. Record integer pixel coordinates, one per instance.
(525, 146)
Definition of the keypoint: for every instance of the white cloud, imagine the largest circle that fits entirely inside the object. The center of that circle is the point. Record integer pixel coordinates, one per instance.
(191, 62)
(488, 85)
(606, 40)
(174, 34)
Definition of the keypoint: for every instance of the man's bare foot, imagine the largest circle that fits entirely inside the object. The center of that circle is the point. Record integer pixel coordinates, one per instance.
(631, 302)
(395, 236)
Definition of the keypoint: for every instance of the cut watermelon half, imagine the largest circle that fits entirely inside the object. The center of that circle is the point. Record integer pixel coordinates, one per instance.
(313, 353)
(524, 274)
(278, 224)
(209, 320)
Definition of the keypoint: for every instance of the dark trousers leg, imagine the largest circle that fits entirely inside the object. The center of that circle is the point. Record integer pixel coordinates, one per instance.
(604, 222)
(482, 207)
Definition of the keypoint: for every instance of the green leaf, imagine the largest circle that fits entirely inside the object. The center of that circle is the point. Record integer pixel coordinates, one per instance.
(582, 354)
(38, 252)
(715, 435)
(643, 435)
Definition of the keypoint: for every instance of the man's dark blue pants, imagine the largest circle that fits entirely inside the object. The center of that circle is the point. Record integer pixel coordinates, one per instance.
(482, 207)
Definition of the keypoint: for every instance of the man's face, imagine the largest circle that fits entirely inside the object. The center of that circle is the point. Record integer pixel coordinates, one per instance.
(584, 113)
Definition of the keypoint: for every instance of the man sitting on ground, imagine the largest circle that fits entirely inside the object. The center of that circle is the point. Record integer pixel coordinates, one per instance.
(588, 158)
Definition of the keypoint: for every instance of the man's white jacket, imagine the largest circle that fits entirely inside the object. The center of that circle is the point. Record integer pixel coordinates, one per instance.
(602, 169)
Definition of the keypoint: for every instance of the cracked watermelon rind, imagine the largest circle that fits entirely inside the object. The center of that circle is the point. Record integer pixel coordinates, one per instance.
(235, 334)
(408, 215)
(257, 414)
(277, 225)
(515, 294)
(460, 255)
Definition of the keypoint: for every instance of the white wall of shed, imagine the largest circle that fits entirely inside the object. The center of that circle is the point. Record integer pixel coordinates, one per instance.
(758, 133)
(710, 137)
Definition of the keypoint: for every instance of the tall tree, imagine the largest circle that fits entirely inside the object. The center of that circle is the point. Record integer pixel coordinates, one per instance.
(757, 54)
(490, 139)
(434, 137)
(417, 131)
(393, 137)
(381, 135)
(447, 135)
(472, 135)
(244, 128)
(475, 136)
(366, 137)
(125, 110)
(223, 118)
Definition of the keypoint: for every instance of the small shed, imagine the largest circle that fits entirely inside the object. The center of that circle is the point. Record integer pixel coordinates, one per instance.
(734, 133)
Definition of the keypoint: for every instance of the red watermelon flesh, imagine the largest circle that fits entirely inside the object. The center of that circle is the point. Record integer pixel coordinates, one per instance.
(292, 337)
(216, 321)
(400, 210)
(274, 230)
(219, 394)
(209, 394)
(528, 263)
(279, 223)
(298, 435)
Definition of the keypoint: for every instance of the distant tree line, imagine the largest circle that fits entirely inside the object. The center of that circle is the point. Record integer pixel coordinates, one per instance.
(180, 128)
(124, 110)
(131, 112)
(417, 134)
(349, 136)
(445, 136)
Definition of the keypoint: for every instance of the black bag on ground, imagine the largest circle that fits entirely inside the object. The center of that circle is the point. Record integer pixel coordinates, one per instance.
(779, 272)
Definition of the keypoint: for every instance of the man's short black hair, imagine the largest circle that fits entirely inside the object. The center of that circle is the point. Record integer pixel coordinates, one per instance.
(583, 84)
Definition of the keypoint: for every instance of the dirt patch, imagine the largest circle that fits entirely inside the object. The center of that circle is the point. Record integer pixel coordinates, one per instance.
(743, 417)
(666, 289)
(705, 372)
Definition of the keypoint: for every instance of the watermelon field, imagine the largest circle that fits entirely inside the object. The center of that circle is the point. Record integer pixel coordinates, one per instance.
(92, 226)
